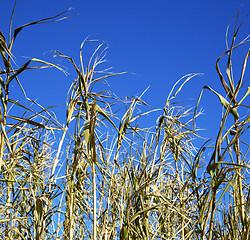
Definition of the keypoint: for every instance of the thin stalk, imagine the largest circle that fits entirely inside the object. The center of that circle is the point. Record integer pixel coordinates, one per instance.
(94, 202)
(239, 180)
(9, 182)
(211, 224)
(70, 225)
(58, 152)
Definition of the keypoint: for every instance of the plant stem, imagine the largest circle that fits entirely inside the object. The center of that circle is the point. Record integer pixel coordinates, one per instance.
(94, 202)
(241, 199)
(211, 224)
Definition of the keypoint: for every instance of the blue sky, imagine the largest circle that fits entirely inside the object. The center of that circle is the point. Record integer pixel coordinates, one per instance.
(159, 41)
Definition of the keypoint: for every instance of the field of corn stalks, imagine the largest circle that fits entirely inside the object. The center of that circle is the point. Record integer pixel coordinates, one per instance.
(109, 177)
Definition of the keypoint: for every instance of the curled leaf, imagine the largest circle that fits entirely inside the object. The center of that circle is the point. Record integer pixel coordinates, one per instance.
(225, 103)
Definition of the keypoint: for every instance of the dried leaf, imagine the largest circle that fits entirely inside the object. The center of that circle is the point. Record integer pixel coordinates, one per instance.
(225, 103)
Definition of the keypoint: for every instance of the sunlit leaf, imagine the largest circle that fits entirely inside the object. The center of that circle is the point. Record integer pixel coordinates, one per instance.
(225, 103)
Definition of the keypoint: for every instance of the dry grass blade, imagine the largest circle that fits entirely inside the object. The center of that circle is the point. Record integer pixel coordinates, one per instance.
(45, 20)
(242, 73)
(224, 103)
(3, 45)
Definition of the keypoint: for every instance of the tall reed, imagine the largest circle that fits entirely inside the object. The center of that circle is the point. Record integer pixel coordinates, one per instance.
(109, 177)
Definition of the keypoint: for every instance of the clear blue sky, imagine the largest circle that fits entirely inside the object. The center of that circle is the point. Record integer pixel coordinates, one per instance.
(159, 41)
